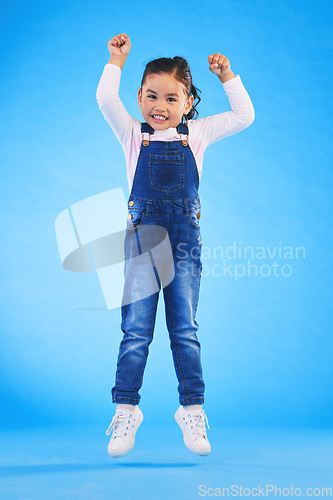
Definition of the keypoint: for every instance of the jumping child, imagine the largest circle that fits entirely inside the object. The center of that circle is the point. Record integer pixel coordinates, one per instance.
(164, 156)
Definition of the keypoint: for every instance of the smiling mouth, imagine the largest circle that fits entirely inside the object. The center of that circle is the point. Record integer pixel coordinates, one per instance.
(159, 118)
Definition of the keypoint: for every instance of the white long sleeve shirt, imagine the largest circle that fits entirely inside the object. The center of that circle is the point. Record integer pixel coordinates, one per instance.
(202, 132)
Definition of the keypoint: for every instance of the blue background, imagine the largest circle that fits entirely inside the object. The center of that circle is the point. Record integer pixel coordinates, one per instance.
(266, 341)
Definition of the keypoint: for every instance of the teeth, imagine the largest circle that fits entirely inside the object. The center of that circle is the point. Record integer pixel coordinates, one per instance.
(159, 117)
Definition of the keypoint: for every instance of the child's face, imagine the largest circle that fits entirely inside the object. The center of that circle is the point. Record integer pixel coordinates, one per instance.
(163, 101)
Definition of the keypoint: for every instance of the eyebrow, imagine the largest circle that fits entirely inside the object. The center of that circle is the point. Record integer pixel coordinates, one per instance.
(153, 92)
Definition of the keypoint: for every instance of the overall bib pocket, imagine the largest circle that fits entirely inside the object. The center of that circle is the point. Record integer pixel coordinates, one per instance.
(167, 171)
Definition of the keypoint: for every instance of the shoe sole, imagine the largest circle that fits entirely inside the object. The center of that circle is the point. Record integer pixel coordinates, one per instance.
(186, 442)
(131, 444)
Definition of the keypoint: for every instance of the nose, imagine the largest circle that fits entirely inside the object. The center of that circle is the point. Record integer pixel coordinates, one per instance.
(160, 106)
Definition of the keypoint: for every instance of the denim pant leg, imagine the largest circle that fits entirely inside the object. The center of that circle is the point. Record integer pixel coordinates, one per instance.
(181, 300)
(138, 322)
(138, 319)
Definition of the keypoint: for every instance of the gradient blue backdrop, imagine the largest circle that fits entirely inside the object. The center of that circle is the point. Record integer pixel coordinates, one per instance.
(266, 341)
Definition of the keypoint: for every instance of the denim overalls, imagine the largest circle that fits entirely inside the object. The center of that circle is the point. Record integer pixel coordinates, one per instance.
(164, 195)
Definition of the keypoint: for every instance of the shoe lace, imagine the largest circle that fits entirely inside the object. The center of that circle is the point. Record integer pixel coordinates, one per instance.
(200, 418)
(118, 424)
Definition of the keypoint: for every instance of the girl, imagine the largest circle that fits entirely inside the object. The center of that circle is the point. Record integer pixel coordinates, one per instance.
(164, 157)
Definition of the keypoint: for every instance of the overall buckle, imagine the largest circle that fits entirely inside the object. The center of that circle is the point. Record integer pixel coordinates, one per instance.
(145, 138)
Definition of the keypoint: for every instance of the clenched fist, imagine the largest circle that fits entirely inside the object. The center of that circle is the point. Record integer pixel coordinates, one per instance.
(119, 45)
(219, 65)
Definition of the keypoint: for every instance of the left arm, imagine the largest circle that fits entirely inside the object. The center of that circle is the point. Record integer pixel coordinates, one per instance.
(216, 127)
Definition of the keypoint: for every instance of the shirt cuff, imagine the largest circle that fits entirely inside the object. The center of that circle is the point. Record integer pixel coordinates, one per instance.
(233, 82)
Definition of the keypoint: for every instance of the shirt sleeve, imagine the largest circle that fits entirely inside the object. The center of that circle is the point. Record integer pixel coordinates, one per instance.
(109, 103)
(216, 127)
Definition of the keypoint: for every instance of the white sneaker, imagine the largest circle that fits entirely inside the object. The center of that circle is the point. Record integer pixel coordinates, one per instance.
(125, 423)
(192, 423)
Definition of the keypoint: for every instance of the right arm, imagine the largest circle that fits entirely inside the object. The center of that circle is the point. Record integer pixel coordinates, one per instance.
(107, 94)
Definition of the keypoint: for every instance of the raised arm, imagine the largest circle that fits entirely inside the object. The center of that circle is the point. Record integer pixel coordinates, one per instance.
(107, 94)
(216, 127)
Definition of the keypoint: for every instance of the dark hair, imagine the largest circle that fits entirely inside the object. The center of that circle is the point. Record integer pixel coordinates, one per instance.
(179, 66)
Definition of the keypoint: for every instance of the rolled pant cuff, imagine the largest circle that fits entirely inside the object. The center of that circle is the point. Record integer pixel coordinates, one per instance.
(126, 401)
(192, 401)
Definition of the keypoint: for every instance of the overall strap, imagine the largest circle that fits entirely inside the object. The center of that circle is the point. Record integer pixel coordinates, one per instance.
(147, 130)
(182, 130)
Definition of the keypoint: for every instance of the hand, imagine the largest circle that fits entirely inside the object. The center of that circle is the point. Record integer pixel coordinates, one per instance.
(219, 64)
(119, 45)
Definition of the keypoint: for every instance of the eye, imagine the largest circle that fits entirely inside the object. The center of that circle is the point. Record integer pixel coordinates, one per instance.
(151, 96)
(171, 99)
